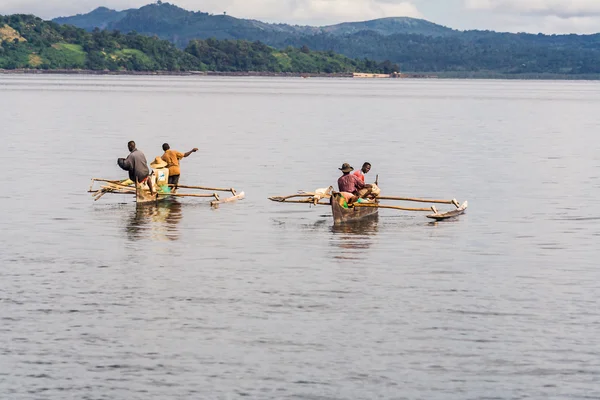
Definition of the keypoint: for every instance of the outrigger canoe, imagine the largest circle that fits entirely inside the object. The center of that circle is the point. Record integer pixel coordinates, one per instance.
(143, 195)
(363, 209)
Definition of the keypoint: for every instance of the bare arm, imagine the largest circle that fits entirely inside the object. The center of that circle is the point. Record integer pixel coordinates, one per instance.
(195, 149)
(359, 183)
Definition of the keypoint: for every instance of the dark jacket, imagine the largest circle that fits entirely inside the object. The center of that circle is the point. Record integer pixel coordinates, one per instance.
(136, 165)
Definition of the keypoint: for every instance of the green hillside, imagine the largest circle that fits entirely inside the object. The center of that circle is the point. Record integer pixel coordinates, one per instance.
(415, 45)
(29, 42)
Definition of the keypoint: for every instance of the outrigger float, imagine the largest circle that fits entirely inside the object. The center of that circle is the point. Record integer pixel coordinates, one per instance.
(143, 196)
(365, 208)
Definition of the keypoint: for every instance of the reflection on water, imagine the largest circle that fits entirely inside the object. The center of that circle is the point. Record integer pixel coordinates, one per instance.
(354, 238)
(156, 221)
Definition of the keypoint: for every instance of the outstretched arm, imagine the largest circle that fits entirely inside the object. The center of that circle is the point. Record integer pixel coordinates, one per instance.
(195, 149)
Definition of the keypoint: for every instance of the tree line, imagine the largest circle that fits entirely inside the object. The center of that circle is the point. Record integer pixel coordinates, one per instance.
(29, 42)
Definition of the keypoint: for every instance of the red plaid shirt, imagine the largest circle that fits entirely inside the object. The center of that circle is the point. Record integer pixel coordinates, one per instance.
(350, 183)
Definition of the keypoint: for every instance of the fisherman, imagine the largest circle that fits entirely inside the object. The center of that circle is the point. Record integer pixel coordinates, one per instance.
(137, 166)
(160, 175)
(363, 171)
(350, 186)
(172, 157)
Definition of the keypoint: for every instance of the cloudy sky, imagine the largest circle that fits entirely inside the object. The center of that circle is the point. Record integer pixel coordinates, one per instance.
(547, 16)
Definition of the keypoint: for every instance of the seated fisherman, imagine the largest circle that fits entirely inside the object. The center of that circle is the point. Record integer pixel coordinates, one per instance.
(363, 171)
(160, 177)
(350, 186)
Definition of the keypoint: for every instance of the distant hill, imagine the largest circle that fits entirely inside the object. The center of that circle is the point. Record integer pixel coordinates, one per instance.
(416, 45)
(180, 26)
(27, 42)
(389, 26)
(101, 17)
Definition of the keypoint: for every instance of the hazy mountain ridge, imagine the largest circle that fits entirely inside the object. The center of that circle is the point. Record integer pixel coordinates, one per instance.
(170, 20)
(101, 17)
(416, 45)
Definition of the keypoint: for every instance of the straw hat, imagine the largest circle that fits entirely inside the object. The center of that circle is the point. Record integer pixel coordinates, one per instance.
(346, 168)
(158, 163)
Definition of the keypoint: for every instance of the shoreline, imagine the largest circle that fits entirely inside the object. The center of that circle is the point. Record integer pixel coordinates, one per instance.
(166, 73)
(24, 71)
(349, 75)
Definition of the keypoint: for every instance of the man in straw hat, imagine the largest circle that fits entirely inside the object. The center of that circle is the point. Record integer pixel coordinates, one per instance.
(172, 157)
(136, 165)
(350, 186)
(161, 173)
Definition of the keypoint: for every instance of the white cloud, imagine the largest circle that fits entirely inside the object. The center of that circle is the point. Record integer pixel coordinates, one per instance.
(348, 10)
(554, 24)
(547, 16)
(558, 8)
(295, 11)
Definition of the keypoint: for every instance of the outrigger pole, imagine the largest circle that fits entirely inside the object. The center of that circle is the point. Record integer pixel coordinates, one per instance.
(417, 200)
(232, 190)
(116, 187)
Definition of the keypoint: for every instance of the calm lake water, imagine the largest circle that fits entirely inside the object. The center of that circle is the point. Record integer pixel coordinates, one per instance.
(262, 300)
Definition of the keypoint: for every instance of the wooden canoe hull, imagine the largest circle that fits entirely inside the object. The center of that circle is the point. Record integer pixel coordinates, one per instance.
(143, 196)
(341, 214)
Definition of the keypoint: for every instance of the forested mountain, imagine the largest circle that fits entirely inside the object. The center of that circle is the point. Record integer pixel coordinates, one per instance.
(180, 26)
(416, 45)
(470, 52)
(29, 42)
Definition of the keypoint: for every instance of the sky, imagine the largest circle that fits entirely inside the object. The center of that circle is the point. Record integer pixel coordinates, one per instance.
(545, 16)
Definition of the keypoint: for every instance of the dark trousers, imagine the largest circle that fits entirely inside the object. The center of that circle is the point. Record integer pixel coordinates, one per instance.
(174, 180)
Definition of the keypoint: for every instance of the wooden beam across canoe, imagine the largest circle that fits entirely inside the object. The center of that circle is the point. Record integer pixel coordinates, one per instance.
(307, 201)
(418, 200)
(282, 199)
(232, 190)
(377, 205)
(189, 195)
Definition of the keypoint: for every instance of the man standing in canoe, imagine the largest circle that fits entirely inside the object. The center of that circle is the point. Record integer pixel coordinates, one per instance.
(172, 157)
(136, 165)
(350, 186)
(363, 171)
